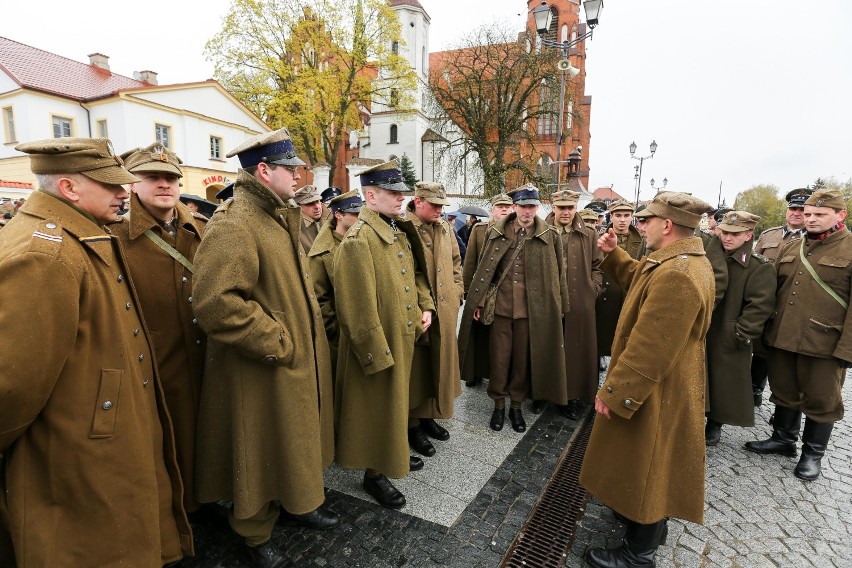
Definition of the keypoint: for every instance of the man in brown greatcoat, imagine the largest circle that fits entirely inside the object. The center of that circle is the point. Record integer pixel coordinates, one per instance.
(265, 431)
(90, 475)
(768, 244)
(645, 458)
(585, 282)
(384, 304)
(736, 324)
(308, 199)
(523, 258)
(608, 304)
(810, 336)
(158, 228)
(443, 264)
(477, 364)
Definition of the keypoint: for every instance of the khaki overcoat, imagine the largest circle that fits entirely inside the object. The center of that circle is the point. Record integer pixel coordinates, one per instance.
(381, 291)
(265, 430)
(443, 263)
(321, 261)
(771, 241)
(90, 468)
(475, 246)
(585, 281)
(478, 362)
(647, 461)
(718, 262)
(164, 286)
(547, 302)
(610, 300)
(737, 322)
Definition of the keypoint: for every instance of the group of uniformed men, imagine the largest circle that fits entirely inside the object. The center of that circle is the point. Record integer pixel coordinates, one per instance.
(163, 361)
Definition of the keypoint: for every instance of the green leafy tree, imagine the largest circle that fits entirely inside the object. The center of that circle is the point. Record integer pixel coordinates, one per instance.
(762, 200)
(408, 174)
(312, 68)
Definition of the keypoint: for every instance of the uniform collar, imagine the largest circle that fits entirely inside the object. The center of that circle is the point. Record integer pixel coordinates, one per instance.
(371, 218)
(141, 220)
(252, 190)
(539, 229)
(691, 246)
(742, 255)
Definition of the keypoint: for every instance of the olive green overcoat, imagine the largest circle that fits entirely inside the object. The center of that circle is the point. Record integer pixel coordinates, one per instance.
(265, 430)
(647, 461)
(381, 291)
(547, 302)
(321, 261)
(477, 364)
(718, 261)
(737, 322)
(443, 263)
(609, 301)
(90, 471)
(164, 286)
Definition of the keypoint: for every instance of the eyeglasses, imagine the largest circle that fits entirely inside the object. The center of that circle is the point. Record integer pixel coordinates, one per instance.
(291, 169)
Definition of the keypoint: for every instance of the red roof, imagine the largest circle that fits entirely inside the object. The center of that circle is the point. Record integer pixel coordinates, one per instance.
(15, 184)
(50, 73)
(606, 194)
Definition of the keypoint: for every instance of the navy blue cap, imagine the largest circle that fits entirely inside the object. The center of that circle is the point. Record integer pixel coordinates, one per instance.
(330, 193)
(269, 147)
(386, 176)
(349, 202)
(525, 195)
(797, 197)
(226, 192)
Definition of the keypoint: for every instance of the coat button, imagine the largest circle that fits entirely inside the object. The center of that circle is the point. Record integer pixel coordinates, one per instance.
(369, 358)
(387, 352)
(608, 389)
(408, 288)
(270, 359)
(51, 225)
(120, 278)
(189, 299)
(145, 383)
(184, 279)
(194, 321)
(135, 332)
(198, 342)
(141, 357)
(408, 307)
(399, 254)
(107, 405)
(409, 324)
(628, 402)
(403, 271)
(127, 306)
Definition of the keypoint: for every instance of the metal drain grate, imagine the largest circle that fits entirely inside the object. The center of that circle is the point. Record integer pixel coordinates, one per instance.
(546, 538)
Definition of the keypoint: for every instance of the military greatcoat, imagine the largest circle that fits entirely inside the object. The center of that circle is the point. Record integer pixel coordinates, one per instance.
(381, 291)
(477, 364)
(608, 304)
(164, 286)
(737, 322)
(547, 302)
(585, 281)
(265, 420)
(90, 472)
(443, 263)
(321, 261)
(647, 461)
(771, 241)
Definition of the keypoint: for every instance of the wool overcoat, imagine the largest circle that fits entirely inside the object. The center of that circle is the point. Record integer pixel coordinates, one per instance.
(718, 262)
(647, 461)
(265, 430)
(164, 286)
(610, 300)
(381, 291)
(547, 302)
(585, 281)
(443, 263)
(321, 261)
(736, 324)
(477, 364)
(90, 471)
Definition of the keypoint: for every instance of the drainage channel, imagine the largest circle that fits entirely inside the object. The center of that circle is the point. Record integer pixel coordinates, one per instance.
(546, 538)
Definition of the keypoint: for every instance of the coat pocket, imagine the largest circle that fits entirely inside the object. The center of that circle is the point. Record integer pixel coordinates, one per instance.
(820, 337)
(285, 340)
(106, 405)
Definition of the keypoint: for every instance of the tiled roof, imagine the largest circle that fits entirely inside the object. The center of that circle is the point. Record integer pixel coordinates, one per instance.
(50, 73)
(15, 184)
(606, 194)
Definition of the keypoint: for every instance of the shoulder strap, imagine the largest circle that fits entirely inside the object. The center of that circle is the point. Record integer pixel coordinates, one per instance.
(819, 280)
(514, 258)
(169, 249)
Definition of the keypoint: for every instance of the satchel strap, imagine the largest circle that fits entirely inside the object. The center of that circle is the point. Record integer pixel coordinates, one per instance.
(819, 280)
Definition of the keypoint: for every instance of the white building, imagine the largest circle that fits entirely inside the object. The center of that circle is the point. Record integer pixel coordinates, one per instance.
(44, 95)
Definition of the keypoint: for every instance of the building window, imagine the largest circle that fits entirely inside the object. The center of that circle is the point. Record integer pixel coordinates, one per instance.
(547, 119)
(215, 148)
(394, 97)
(61, 127)
(9, 124)
(395, 48)
(544, 168)
(163, 134)
(423, 60)
(394, 135)
(103, 131)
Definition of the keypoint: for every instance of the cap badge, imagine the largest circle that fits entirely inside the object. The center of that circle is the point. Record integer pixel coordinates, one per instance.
(732, 218)
(159, 153)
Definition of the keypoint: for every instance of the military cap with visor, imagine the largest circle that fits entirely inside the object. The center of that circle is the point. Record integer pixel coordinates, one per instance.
(500, 199)
(738, 222)
(153, 158)
(797, 197)
(717, 214)
(682, 209)
(565, 198)
(827, 198)
(588, 215)
(525, 195)
(306, 195)
(598, 207)
(349, 202)
(386, 176)
(432, 192)
(95, 158)
(621, 205)
(330, 193)
(274, 147)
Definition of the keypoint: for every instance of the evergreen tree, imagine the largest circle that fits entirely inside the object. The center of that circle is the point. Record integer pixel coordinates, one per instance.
(408, 175)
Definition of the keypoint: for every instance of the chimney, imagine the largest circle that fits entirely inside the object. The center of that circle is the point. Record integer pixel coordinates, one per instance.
(99, 60)
(149, 77)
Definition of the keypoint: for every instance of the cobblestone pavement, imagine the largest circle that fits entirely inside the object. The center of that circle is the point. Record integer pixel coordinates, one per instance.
(757, 514)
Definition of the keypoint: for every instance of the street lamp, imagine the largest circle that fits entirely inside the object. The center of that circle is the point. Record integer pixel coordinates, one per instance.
(543, 19)
(638, 176)
(660, 188)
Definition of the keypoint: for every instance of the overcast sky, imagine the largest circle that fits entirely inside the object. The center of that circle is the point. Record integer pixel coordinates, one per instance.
(756, 93)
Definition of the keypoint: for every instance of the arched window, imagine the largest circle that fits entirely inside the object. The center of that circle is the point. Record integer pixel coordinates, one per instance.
(544, 169)
(564, 34)
(394, 136)
(547, 119)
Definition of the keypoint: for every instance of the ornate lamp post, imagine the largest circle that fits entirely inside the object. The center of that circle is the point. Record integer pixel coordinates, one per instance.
(641, 159)
(543, 19)
(659, 188)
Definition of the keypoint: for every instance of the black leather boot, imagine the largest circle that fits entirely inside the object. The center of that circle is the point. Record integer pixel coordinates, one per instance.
(516, 417)
(265, 556)
(637, 550)
(814, 442)
(712, 432)
(498, 417)
(785, 432)
(419, 442)
(434, 430)
(319, 519)
(382, 490)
